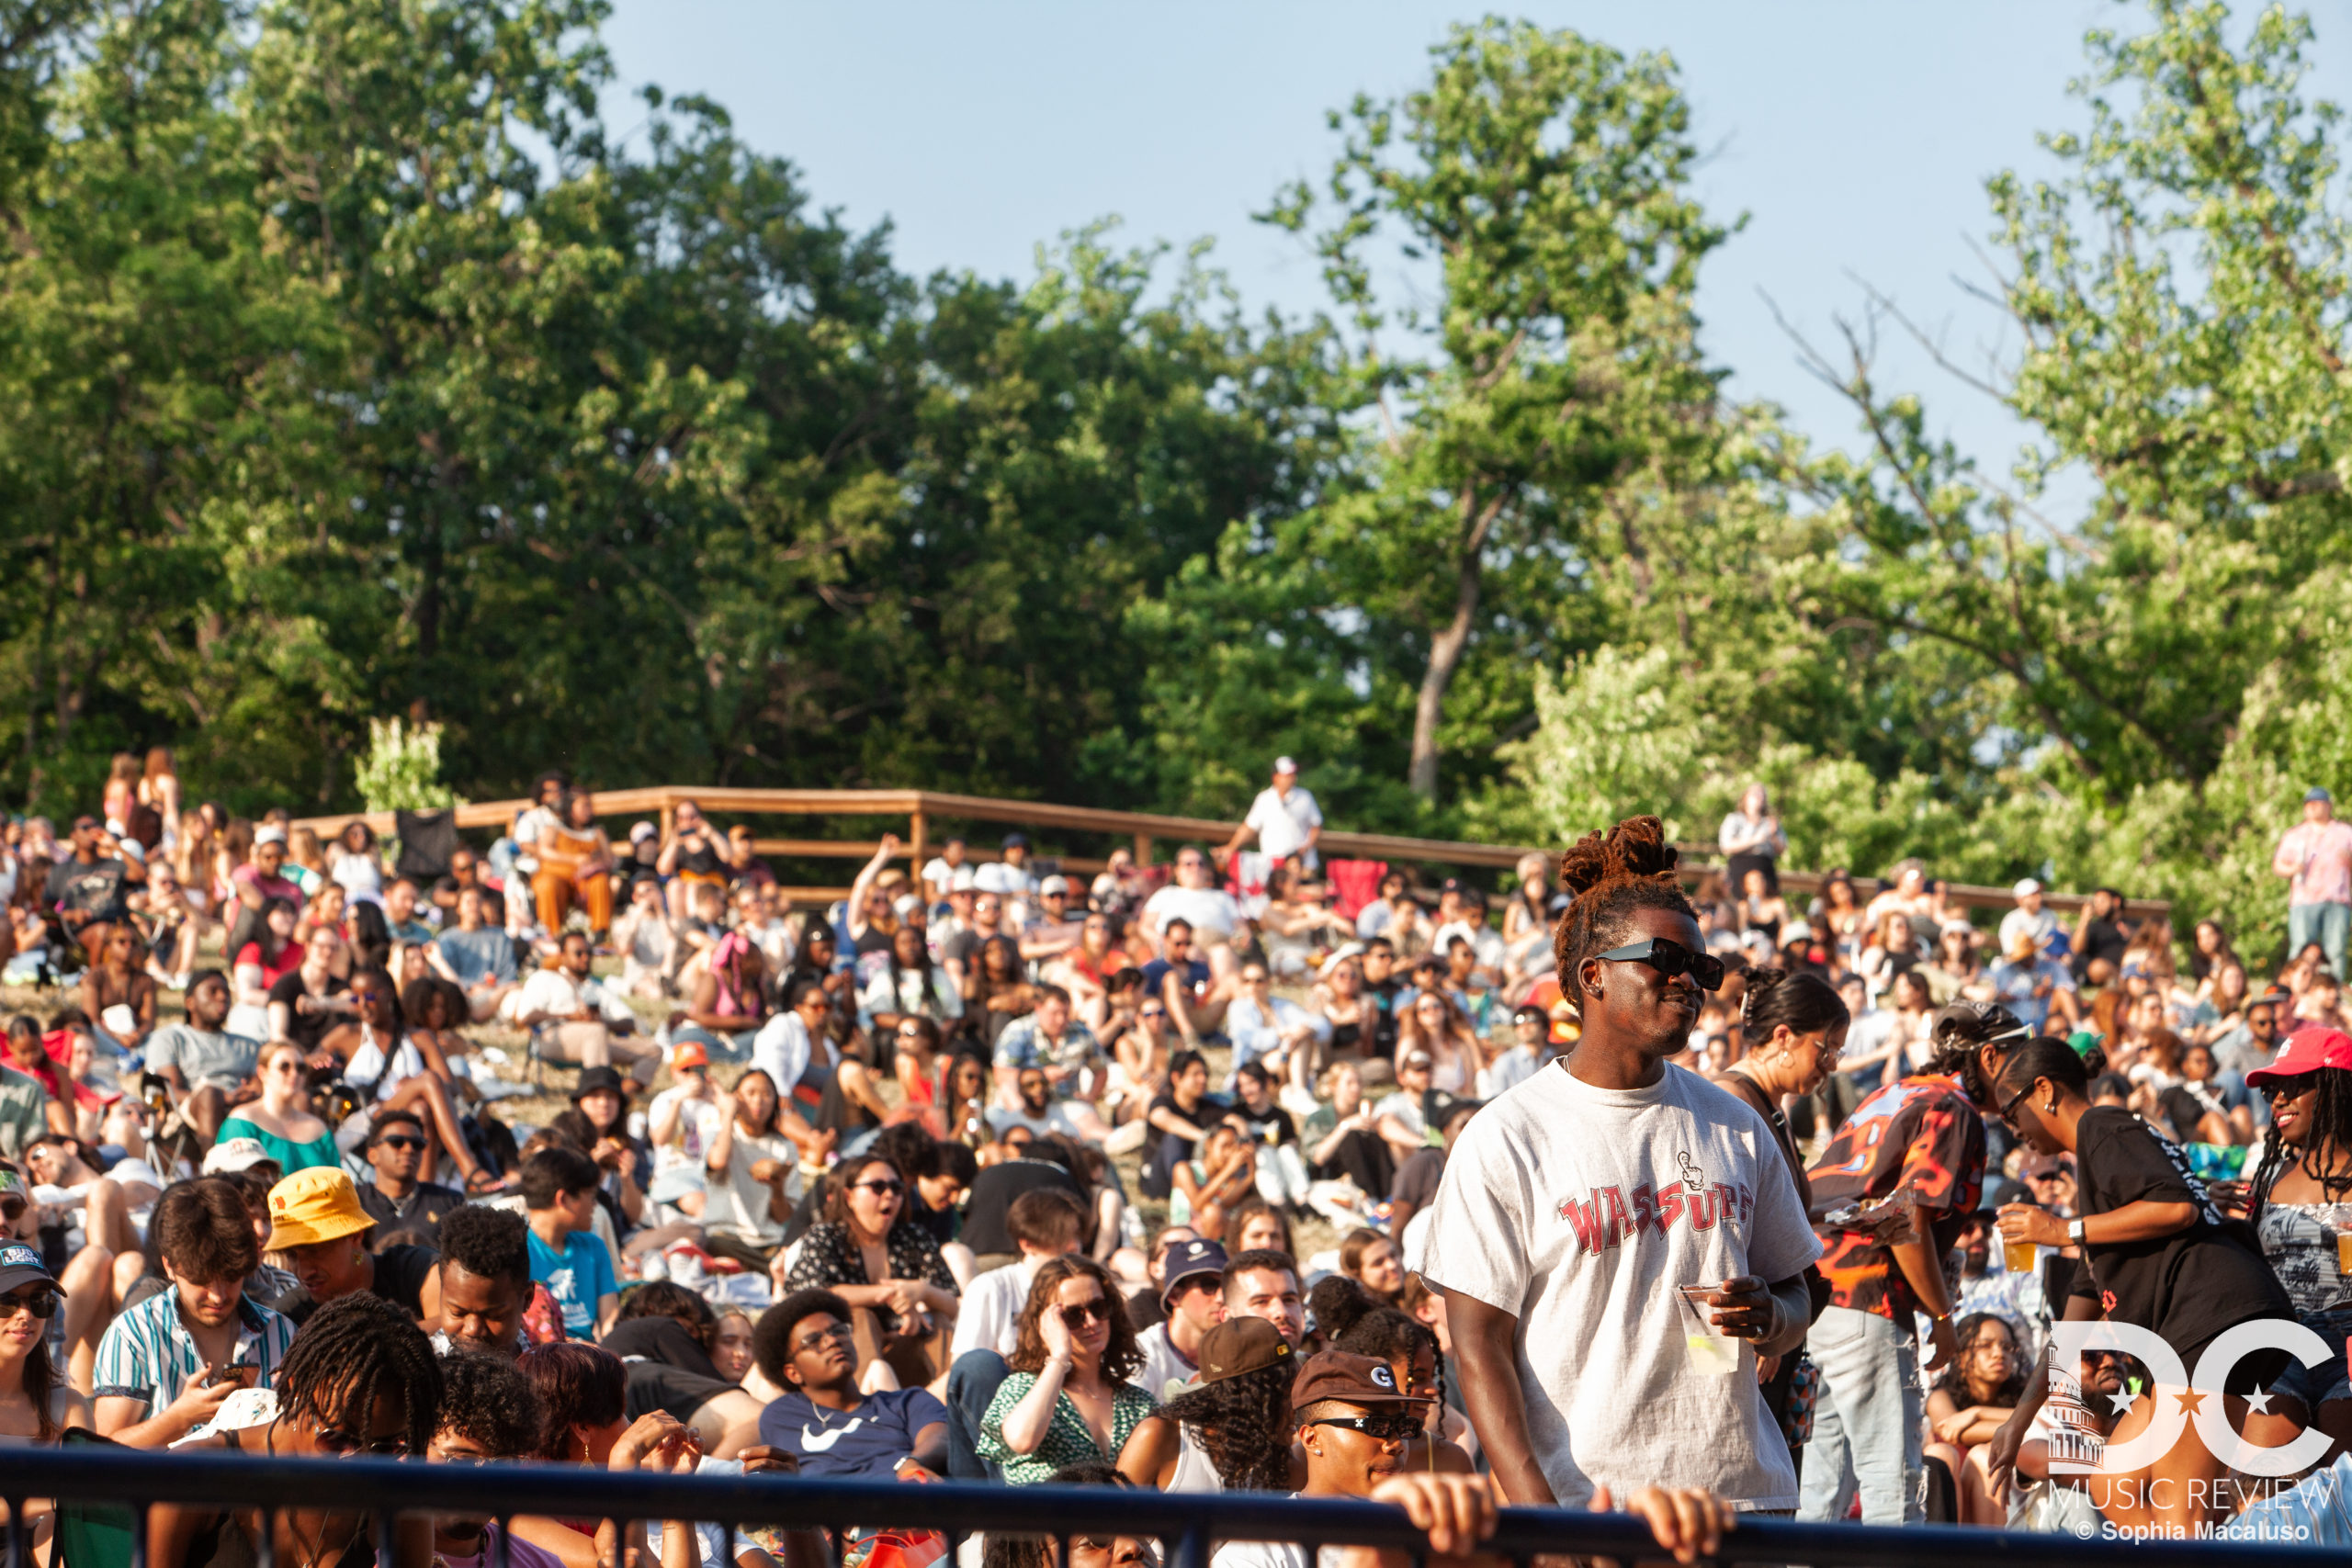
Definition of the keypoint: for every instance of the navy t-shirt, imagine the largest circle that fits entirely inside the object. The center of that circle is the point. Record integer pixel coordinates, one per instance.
(869, 1441)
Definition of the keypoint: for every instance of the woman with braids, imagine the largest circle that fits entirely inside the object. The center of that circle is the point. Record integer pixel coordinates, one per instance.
(2158, 1253)
(1229, 1429)
(1892, 1191)
(1575, 1209)
(361, 1380)
(2302, 1200)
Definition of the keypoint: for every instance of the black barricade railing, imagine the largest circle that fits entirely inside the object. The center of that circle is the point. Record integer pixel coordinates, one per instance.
(1188, 1525)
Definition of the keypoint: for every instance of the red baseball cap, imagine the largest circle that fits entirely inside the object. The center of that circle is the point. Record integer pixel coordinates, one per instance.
(2308, 1050)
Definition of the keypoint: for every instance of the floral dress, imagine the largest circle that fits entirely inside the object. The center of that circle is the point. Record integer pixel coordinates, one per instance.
(830, 1258)
(1067, 1440)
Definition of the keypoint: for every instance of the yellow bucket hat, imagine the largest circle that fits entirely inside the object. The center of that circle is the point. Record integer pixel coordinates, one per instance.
(311, 1206)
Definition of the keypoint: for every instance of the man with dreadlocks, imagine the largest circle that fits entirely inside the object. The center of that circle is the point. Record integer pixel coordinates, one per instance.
(1578, 1206)
(361, 1380)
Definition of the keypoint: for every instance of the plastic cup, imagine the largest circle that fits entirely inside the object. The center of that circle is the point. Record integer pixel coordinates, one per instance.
(2344, 1253)
(1707, 1349)
(2019, 1257)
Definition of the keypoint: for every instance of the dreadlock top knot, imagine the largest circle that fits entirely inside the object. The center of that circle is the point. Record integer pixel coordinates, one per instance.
(1634, 851)
(1609, 875)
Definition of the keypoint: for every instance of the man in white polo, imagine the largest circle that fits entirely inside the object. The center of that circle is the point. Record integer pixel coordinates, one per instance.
(2031, 916)
(1284, 820)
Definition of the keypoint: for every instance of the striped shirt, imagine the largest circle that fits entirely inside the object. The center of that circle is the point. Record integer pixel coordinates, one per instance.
(148, 1355)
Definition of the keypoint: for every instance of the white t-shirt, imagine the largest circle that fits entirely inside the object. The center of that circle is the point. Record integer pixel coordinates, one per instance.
(1283, 821)
(990, 1316)
(697, 1129)
(1211, 911)
(2041, 923)
(1164, 1372)
(1578, 1210)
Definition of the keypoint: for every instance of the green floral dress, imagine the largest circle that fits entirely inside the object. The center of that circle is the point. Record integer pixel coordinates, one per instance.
(1067, 1440)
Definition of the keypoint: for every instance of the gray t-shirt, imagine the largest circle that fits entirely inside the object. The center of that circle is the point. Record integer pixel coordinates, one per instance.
(204, 1060)
(473, 955)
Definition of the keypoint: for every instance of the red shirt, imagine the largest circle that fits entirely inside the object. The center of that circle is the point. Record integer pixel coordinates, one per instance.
(1912, 1155)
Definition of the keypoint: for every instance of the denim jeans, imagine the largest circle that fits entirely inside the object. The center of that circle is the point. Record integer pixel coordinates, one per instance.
(2326, 924)
(1866, 1433)
(972, 1382)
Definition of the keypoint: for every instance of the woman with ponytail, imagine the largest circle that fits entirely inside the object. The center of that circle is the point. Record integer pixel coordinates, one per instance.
(2158, 1254)
(1576, 1208)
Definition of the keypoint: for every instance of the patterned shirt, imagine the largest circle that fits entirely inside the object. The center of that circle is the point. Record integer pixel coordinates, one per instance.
(148, 1355)
(829, 1257)
(1907, 1165)
(1066, 1440)
(1021, 1046)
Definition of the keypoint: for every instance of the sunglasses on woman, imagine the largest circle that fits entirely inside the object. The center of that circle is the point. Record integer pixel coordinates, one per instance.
(41, 1301)
(1096, 1311)
(1670, 959)
(882, 1189)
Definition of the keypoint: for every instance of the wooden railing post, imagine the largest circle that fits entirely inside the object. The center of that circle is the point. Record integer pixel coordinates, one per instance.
(917, 826)
(1143, 851)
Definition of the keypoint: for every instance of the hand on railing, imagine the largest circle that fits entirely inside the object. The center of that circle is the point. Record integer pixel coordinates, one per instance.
(1688, 1522)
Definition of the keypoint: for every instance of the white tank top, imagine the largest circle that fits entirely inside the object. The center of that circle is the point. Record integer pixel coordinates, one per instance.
(1194, 1471)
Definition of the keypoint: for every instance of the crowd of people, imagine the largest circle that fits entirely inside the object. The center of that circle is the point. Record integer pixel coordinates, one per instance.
(1252, 1171)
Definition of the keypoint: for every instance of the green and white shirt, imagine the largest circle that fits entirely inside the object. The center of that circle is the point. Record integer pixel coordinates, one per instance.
(148, 1354)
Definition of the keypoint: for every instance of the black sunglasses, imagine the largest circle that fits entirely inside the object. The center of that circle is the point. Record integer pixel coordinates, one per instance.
(405, 1141)
(2014, 1100)
(42, 1303)
(1670, 959)
(882, 1189)
(2290, 1089)
(1077, 1317)
(1395, 1428)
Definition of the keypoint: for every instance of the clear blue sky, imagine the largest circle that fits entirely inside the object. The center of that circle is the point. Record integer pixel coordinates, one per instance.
(1856, 137)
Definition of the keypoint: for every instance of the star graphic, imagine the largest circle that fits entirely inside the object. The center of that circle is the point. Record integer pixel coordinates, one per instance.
(2191, 1401)
(2258, 1403)
(2123, 1401)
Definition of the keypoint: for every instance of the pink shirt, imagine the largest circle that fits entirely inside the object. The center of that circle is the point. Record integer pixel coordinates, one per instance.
(2318, 855)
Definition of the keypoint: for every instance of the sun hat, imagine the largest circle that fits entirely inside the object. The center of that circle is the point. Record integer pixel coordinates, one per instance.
(311, 1206)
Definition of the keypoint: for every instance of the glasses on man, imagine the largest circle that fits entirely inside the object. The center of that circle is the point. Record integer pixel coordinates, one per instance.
(1396, 1428)
(401, 1141)
(336, 1441)
(1670, 959)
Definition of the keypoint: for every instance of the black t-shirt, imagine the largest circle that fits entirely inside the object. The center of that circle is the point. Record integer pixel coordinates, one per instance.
(2101, 938)
(962, 948)
(1273, 1126)
(1418, 1179)
(1384, 998)
(400, 1279)
(420, 1211)
(95, 889)
(2188, 1286)
(662, 1340)
(993, 1191)
(306, 1028)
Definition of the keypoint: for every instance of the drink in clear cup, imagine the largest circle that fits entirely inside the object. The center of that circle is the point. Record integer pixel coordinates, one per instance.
(2019, 1257)
(2344, 1253)
(1711, 1351)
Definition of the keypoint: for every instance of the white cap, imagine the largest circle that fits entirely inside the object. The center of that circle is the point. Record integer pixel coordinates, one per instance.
(643, 832)
(906, 904)
(1796, 931)
(231, 1156)
(133, 850)
(1053, 884)
(2025, 885)
(1285, 765)
(273, 834)
(967, 877)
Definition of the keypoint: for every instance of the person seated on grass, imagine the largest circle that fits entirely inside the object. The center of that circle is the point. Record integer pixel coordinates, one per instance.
(490, 1304)
(320, 1229)
(584, 1399)
(475, 954)
(208, 1070)
(805, 1345)
(560, 1205)
(664, 1333)
(1068, 1396)
(490, 1414)
(1229, 1429)
(1967, 1404)
(395, 1151)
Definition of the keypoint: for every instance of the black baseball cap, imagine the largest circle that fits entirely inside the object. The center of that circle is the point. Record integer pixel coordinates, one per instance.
(594, 1078)
(1188, 1260)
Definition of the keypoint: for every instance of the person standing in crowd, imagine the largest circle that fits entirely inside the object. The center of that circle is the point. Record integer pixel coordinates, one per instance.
(1896, 1184)
(2300, 1200)
(2315, 856)
(1751, 839)
(2157, 1253)
(1663, 1181)
(1284, 819)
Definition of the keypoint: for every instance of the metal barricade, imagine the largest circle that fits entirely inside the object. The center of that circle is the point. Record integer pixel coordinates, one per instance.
(1188, 1526)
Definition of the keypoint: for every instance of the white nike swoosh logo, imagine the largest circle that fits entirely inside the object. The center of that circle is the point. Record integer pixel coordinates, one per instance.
(821, 1442)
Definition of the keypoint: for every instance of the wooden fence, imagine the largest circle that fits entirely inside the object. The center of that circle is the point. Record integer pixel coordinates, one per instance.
(924, 810)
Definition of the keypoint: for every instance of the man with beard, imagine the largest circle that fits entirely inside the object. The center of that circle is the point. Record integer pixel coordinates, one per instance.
(208, 1071)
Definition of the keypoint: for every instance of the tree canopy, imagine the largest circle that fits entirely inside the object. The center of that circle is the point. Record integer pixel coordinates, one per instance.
(351, 370)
